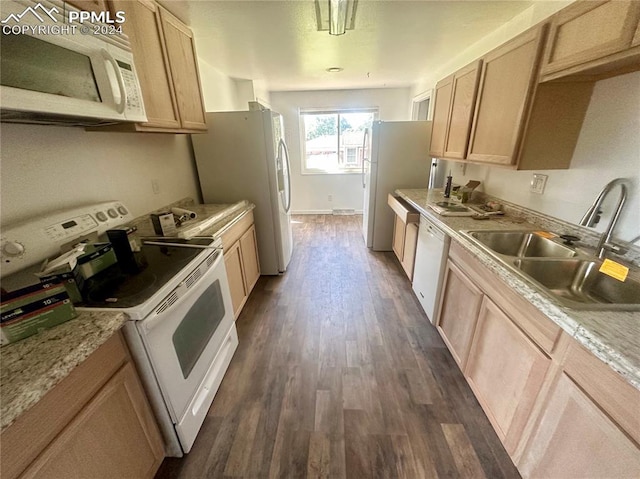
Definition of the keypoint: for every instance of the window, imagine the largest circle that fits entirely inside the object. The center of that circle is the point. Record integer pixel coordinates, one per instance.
(333, 140)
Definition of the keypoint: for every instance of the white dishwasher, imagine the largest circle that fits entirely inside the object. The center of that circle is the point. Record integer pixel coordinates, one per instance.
(431, 258)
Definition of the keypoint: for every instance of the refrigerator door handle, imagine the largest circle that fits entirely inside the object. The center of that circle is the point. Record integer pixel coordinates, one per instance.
(364, 150)
(285, 152)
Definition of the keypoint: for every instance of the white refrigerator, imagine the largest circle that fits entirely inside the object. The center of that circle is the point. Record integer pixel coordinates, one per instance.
(395, 155)
(243, 156)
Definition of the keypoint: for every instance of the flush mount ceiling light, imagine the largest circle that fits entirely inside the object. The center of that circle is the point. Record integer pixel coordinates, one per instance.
(334, 69)
(335, 16)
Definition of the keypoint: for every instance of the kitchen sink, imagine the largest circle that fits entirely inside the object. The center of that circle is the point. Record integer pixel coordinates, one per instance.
(524, 244)
(570, 276)
(579, 281)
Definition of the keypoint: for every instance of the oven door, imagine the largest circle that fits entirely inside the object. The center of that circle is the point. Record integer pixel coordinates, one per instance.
(190, 338)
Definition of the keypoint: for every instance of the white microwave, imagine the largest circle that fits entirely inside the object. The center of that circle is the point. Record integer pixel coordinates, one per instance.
(53, 71)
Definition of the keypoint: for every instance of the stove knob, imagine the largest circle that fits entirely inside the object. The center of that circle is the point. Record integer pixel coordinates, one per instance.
(101, 216)
(13, 248)
(112, 213)
(122, 210)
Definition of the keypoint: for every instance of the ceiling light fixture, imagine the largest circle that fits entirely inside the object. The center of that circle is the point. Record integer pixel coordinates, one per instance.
(337, 17)
(334, 69)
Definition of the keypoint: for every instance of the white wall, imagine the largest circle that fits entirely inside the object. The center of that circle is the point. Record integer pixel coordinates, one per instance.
(608, 148)
(518, 24)
(45, 168)
(219, 91)
(310, 192)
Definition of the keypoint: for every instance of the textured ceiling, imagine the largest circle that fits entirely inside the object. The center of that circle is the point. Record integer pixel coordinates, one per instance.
(394, 43)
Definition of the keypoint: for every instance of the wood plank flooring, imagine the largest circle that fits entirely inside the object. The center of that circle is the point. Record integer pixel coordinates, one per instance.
(339, 374)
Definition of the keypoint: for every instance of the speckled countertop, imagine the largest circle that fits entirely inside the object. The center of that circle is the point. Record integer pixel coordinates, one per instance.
(612, 336)
(31, 367)
(212, 220)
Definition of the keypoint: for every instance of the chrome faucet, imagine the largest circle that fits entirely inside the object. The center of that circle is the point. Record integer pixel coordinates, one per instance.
(592, 216)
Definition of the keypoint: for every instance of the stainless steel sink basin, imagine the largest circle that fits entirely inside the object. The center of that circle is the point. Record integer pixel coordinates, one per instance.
(570, 276)
(578, 282)
(524, 244)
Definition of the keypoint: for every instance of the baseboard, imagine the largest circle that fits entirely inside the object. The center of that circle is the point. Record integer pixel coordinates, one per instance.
(319, 212)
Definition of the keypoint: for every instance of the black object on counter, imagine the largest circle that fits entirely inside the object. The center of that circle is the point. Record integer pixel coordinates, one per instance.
(125, 245)
(447, 188)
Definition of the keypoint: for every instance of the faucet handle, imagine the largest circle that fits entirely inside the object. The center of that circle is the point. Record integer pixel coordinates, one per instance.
(569, 239)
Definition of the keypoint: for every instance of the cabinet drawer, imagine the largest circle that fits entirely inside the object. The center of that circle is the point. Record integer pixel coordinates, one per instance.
(37, 427)
(615, 396)
(234, 233)
(403, 210)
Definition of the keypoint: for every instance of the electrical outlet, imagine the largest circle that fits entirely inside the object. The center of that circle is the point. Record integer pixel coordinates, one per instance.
(329, 197)
(155, 186)
(538, 183)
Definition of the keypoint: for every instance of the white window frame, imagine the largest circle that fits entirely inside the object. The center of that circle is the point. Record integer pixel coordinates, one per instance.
(355, 170)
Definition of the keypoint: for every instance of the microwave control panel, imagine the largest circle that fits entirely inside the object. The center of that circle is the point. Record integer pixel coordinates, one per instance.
(32, 241)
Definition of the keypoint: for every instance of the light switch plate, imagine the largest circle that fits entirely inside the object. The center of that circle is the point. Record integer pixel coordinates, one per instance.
(538, 183)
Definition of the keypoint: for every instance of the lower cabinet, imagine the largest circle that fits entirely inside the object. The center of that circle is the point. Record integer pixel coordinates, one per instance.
(95, 423)
(241, 260)
(111, 437)
(505, 369)
(461, 300)
(405, 233)
(589, 426)
(558, 410)
(576, 438)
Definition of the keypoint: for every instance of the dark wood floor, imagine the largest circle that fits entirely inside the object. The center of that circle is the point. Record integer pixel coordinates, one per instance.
(340, 374)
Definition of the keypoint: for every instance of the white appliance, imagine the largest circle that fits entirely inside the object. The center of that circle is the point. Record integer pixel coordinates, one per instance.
(430, 262)
(244, 156)
(182, 334)
(54, 71)
(396, 155)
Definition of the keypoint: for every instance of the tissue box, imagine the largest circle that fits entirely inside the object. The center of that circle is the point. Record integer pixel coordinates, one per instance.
(27, 311)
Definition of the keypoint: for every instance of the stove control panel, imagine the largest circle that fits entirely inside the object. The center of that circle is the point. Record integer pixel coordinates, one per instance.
(32, 241)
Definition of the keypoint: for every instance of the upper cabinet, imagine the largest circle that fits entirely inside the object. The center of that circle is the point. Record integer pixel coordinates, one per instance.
(181, 51)
(592, 38)
(90, 5)
(507, 82)
(441, 105)
(455, 98)
(166, 65)
(521, 119)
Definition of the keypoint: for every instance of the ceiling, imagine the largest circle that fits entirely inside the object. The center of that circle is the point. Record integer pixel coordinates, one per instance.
(394, 43)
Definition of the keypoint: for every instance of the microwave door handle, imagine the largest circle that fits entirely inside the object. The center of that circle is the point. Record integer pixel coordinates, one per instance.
(123, 92)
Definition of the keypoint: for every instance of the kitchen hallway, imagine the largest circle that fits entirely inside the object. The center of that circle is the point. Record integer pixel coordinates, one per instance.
(340, 374)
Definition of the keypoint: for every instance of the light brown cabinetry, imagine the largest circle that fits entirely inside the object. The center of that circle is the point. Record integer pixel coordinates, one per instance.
(405, 233)
(441, 107)
(589, 426)
(95, 423)
(459, 308)
(506, 370)
(507, 81)
(592, 37)
(89, 5)
(241, 260)
(463, 100)
(181, 52)
(166, 65)
(558, 410)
